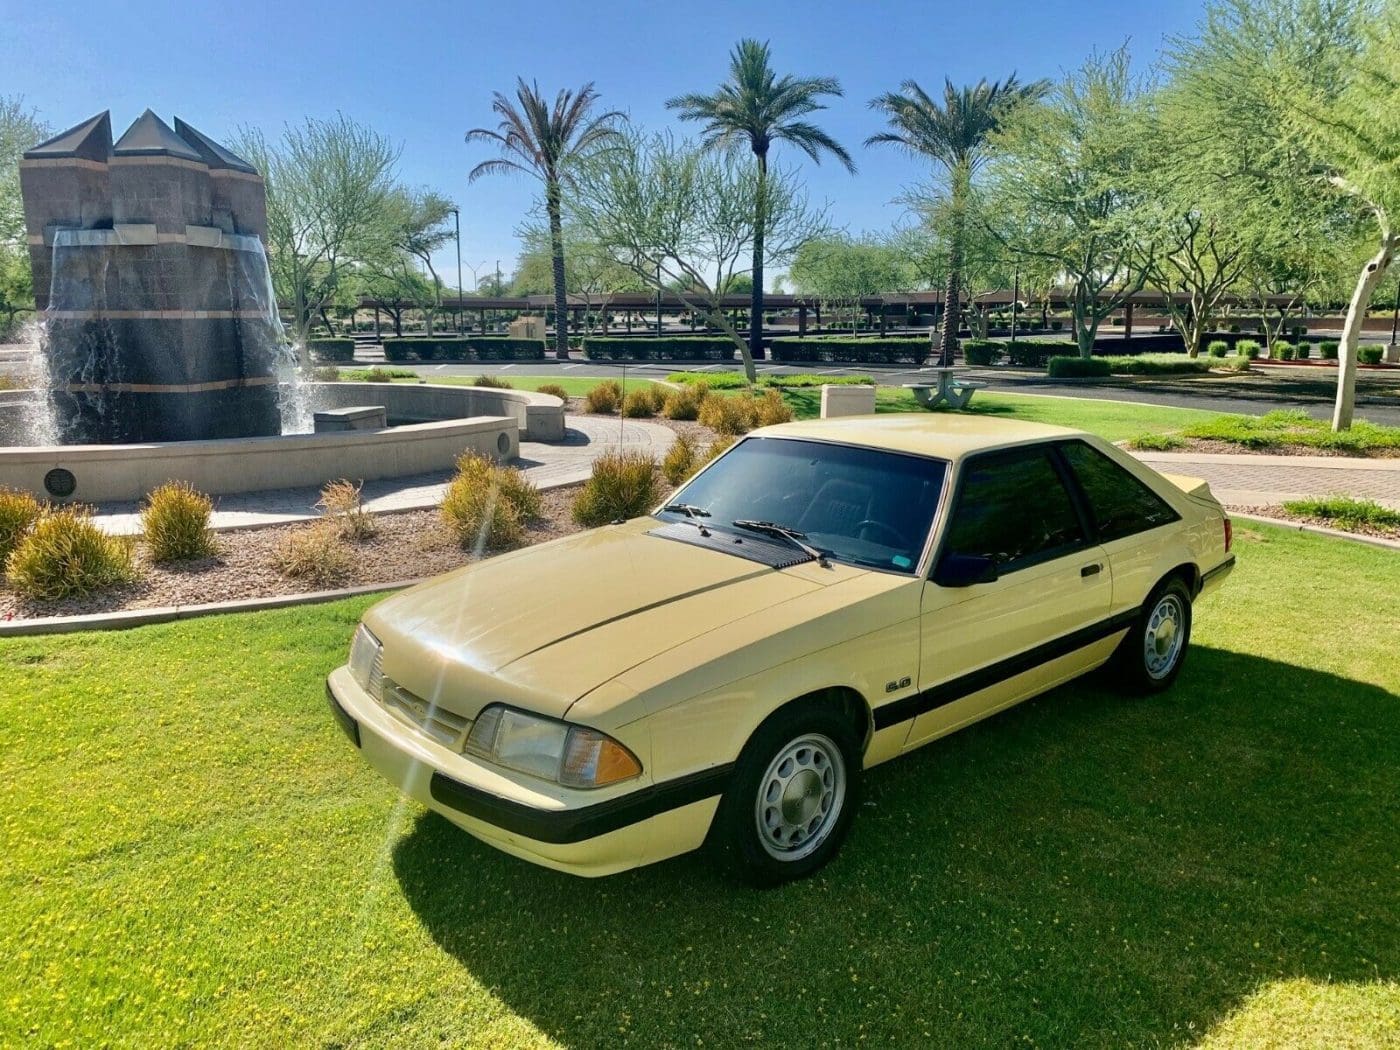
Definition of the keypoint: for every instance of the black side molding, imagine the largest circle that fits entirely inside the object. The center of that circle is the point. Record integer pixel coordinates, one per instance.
(1223, 569)
(342, 717)
(577, 825)
(975, 681)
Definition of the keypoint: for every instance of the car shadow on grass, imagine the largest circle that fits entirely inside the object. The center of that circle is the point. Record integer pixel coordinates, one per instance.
(1084, 869)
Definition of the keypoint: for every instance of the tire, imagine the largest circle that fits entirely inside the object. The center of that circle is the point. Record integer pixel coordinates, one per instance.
(1150, 657)
(804, 764)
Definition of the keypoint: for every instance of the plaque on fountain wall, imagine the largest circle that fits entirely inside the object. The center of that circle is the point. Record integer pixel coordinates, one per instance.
(150, 273)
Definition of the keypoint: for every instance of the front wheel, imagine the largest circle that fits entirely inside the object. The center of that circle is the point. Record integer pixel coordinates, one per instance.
(1150, 657)
(792, 798)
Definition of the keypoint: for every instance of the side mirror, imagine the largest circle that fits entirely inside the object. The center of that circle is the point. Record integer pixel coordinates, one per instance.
(963, 570)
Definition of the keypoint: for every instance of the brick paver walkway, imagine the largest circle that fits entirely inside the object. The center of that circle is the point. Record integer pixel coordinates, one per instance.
(1246, 480)
(548, 465)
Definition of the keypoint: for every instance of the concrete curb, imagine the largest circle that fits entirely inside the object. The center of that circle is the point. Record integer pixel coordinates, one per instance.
(117, 621)
(1318, 530)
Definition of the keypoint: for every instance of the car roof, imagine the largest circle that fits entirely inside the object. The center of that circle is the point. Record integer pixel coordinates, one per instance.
(942, 434)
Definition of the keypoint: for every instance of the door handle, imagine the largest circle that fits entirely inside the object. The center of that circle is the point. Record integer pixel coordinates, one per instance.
(1091, 570)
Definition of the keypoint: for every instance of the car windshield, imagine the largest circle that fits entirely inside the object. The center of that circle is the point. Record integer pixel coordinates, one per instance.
(859, 505)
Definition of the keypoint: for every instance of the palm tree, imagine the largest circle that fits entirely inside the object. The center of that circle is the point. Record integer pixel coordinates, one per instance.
(954, 135)
(546, 143)
(755, 107)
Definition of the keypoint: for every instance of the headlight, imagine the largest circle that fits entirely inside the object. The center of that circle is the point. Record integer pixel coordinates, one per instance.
(574, 756)
(367, 662)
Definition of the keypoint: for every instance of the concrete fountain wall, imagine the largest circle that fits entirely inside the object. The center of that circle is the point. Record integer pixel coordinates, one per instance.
(447, 420)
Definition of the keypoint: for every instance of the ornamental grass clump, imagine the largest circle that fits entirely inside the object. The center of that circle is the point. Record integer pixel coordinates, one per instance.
(1217, 348)
(679, 461)
(638, 404)
(728, 415)
(18, 512)
(604, 398)
(316, 553)
(345, 511)
(64, 555)
(623, 485)
(686, 402)
(487, 505)
(175, 523)
(493, 382)
(770, 409)
(553, 390)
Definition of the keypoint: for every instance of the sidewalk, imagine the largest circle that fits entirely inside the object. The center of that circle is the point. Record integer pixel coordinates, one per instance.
(548, 465)
(1245, 480)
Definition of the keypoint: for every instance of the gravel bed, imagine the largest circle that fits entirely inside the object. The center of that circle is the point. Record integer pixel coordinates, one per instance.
(407, 545)
(1229, 447)
(1385, 532)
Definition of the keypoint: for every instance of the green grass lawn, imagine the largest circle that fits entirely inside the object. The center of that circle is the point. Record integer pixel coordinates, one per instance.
(191, 852)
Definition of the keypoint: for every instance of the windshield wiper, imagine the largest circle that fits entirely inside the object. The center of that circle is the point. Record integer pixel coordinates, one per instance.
(797, 539)
(692, 513)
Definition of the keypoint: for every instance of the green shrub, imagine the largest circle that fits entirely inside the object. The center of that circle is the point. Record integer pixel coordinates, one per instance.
(1234, 329)
(1303, 351)
(728, 415)
(1156, 442)
(379, 375)
(712, 380)
(175, 523)
(338, 351)
(827, 349)
(1077, 367)
(316, 553)
(651, 348)
(603, 399)
(1369, 355)
(1282, 350)
(340, 500)
(1217, 348)
(1246, 347)
(19, 510)
(469, 348)
(488, 505)
(493, 382)
(982, 352)
(64, 554)
(679, 462)
(1328, 349)
(1346, 511)
(553, 390)
(807, 381)
(623, 485)
(1036, 355)
(1232, 364)
(637, 404)
(1055, 325)
(686, 402)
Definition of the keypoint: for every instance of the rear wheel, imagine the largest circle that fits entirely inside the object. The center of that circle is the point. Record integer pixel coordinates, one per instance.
(1150, 657)
(792, 798)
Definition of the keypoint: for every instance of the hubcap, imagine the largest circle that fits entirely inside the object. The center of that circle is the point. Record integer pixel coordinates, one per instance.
(800, 797)
(1164, 636)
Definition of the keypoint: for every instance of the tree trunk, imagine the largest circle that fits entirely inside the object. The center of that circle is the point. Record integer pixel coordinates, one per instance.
(948, 335)
(556, 245)
(760, 222)
(1366, 286)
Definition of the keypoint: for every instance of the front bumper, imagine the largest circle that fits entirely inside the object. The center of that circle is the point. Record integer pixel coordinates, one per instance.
(560, 828)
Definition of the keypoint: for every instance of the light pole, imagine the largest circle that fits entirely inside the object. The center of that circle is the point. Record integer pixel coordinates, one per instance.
(658, 297)
(457, 221)
(1395, 318)
(1015, 299)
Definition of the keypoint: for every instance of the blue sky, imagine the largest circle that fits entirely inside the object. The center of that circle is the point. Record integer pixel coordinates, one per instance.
(424, 72)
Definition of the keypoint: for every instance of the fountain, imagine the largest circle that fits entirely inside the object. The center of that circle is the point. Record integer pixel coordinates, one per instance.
(149, 269)
(161, 354)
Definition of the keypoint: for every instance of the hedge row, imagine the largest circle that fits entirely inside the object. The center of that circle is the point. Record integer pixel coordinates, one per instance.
(1143, 365)
(673, 348)
(331, 351)
(470, 348)
(822, 349)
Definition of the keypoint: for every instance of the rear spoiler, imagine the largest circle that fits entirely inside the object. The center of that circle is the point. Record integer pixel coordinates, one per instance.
(1197, 487)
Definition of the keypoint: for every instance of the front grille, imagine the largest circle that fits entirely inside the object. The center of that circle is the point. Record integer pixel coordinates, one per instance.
(438, 725)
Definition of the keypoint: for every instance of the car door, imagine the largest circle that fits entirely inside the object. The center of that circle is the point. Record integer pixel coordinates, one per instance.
(1126, 518)
(987, 645)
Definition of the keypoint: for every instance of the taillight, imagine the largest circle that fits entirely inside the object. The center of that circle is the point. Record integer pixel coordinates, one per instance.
(1229, 534)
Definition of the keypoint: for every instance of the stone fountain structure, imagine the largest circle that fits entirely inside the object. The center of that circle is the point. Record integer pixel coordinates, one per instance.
(149, 269)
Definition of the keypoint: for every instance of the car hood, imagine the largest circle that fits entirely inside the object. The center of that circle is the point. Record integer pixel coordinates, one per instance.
(545, 625)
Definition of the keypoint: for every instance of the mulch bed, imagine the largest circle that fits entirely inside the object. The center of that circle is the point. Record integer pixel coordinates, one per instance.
(1230, 448)
(408, 545)
(1385, 532)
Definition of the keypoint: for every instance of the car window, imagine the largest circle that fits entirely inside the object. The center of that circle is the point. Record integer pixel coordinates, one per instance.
(866, 506)
(1121, 504)
(1014, 508)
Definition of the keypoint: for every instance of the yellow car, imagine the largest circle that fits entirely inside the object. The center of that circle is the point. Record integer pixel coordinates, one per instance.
(823, 597)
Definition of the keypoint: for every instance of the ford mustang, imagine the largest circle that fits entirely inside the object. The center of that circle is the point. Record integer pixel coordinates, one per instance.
(823, 597)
